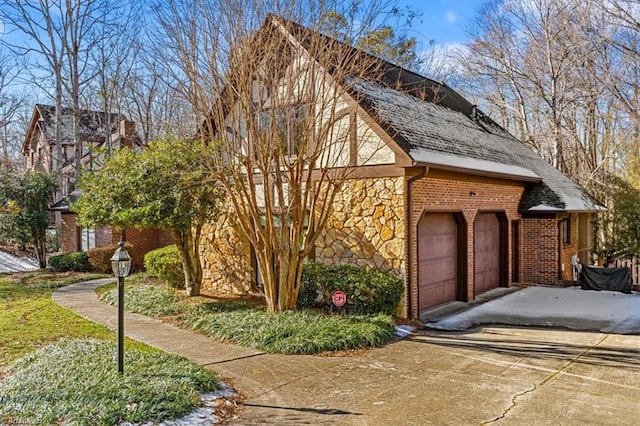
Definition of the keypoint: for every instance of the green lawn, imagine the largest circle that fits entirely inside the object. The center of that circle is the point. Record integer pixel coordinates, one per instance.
(76, 382)
(29, 318)
(58, 367)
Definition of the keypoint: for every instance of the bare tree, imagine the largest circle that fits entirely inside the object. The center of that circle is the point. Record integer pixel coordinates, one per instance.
(59, 37)
(35, 20)
(11, 100)
(277, 113)
(496, 71)
(530, 50)
(152, 101)
(624, 15)
(547, 69)
(111, 60)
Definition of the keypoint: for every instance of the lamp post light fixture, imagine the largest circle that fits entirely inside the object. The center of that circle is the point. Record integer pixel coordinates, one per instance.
(121, 265)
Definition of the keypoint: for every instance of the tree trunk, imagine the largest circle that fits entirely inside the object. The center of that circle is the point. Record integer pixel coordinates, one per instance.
(190, 257)
(40, 247)
(281, 279)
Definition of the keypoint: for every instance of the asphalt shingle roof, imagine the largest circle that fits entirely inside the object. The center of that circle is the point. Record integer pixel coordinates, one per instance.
(436, 126)
(92, 124)
(439, 136)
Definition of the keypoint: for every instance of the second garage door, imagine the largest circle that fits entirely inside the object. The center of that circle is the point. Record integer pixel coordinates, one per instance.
(437, 259)
(486, 252)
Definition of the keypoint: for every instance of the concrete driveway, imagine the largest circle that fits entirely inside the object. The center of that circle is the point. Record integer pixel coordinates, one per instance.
(489, 375)
(494, 375)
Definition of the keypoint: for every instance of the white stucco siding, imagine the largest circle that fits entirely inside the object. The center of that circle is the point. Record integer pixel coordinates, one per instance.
(337, 153)
(371, 148)
(333, 115)
(259, 188)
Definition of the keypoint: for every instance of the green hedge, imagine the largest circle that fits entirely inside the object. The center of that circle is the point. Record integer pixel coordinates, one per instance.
(369, 291)
(165, 264)
(100, 257)
(78, 262)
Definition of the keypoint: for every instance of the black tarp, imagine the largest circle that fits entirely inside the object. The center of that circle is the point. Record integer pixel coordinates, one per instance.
(612, 279)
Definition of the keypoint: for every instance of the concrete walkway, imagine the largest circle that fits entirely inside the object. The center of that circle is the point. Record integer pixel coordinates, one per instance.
(491, 375)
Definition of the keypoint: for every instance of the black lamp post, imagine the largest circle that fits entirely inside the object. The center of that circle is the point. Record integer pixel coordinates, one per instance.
(121, 264)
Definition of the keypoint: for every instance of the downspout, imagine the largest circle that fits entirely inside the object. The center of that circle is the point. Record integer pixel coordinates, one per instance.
(407, 239)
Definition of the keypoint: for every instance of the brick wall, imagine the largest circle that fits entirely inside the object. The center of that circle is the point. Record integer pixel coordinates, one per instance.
(68, 233)
(165, 238)
(466, 195)
(546, 258)
(142, 240)
(539, 250)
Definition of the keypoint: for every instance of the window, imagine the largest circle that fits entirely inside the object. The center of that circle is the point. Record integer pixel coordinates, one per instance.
(67, 155)
(565, 230)
(286, 124)
(87, 239)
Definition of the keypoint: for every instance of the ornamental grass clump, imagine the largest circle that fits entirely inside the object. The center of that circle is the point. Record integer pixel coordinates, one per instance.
(151, 300)
(293, 332)
(76, 382)
(243, 323)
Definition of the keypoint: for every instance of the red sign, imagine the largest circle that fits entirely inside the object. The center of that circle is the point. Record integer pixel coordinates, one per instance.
(339, 298)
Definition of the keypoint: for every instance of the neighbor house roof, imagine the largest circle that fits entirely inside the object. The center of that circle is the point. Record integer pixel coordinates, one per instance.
(93, 125)
(439, 128)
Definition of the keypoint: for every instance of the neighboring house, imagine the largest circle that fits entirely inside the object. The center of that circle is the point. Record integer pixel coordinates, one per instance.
(451, 201)
(98, 133)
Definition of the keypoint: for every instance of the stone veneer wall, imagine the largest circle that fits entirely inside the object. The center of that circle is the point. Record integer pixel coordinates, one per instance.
(226, 257)
(367, 226)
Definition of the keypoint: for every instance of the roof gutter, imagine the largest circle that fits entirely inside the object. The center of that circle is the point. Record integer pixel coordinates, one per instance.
(480, 172)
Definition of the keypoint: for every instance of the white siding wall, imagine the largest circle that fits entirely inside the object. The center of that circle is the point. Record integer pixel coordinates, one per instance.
(371, 148)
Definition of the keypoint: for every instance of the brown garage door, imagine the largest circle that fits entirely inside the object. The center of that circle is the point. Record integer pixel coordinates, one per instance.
(486, 252)
(437, 259)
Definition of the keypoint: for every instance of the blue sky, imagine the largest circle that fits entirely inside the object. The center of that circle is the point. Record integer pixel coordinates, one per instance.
(442, 20)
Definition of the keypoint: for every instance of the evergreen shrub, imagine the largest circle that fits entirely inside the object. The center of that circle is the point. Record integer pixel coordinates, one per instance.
(165, 264)
(368, 291)
(77, 262)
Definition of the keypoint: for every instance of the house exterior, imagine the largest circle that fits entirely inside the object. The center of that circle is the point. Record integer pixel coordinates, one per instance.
(99, 133)
(449, 201)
